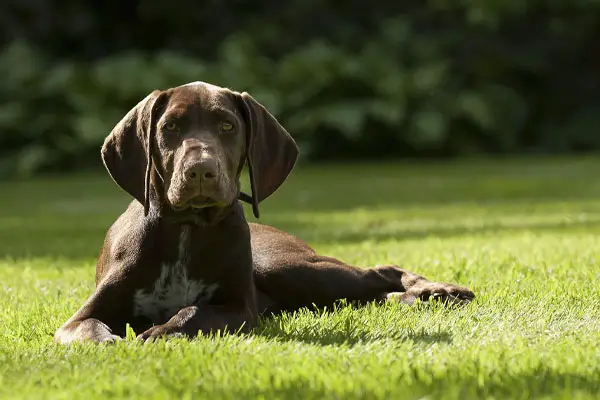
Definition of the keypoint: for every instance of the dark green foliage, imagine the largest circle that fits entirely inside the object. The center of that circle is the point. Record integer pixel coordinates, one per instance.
(405, 79)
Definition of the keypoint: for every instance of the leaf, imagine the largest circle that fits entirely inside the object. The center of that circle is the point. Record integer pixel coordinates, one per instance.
(176, 69)
(497, 110)
(428, 128)
(390, 112)
(396, 31)
(33, 158)
(59, 79)
(474, 105)
(12, 115)
(348, 117)
(429, 77)
(22, 64)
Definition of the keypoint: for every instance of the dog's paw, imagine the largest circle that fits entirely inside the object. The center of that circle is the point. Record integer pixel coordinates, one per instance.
(446, 293)
(88, 330)
(159, 331)
(109, 339)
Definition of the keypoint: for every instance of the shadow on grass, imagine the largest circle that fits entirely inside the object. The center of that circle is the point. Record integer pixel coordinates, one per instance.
(333, 337)
(343, 323)
(365, 233)
(71, 241)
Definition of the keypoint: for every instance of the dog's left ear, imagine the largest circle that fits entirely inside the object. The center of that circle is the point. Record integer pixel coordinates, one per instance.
(271, 152)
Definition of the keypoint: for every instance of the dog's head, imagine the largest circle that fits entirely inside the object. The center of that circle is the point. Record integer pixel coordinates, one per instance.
(190, 143)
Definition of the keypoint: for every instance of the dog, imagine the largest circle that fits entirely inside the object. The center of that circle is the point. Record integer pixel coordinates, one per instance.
(182, 260)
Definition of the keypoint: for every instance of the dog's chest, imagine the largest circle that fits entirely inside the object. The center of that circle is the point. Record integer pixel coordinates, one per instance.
(173, 289)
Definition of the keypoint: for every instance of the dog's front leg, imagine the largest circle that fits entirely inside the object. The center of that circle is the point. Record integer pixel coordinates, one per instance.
(194, 320)
(92, 321)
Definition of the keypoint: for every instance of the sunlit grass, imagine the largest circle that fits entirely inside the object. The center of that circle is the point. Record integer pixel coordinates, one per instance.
(524, 235)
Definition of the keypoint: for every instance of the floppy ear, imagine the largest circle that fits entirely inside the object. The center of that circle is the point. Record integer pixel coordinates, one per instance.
(271, 152)
(127, 150)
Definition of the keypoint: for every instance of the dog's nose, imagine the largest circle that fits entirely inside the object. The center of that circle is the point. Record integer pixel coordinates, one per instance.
(204, 171)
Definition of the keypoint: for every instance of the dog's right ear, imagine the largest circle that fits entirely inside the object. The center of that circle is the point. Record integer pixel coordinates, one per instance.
(127, 150)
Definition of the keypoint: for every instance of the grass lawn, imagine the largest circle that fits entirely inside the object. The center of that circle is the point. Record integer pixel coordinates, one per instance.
(523, 234)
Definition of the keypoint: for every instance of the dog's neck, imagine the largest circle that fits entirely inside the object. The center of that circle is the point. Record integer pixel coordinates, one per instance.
(205, 217)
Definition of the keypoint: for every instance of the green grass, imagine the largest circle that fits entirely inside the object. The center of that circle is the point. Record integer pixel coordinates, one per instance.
(523, 234)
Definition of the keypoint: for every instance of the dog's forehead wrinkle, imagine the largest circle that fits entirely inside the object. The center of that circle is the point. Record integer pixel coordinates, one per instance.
(176, 110)
(193, 107)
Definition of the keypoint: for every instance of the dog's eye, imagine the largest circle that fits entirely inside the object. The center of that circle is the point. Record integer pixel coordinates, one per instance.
(170, 126)
(226, 126)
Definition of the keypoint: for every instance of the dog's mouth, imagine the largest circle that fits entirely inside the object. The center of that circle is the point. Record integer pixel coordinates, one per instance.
(195, 203)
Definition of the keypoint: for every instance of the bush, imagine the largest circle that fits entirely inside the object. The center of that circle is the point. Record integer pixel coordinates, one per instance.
(421, 84)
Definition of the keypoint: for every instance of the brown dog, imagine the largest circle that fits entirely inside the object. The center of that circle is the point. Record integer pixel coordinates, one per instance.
(182, 260)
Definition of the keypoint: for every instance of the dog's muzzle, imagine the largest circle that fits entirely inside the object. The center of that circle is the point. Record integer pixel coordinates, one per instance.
(198, 186)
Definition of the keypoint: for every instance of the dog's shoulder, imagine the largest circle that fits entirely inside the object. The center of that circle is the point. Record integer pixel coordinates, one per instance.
(130, 240)
(132, 228)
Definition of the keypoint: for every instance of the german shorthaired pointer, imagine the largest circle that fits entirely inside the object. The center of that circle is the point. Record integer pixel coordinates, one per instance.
(182, 260)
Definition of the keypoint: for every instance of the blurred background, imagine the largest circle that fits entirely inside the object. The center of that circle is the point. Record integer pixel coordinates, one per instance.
(350, 80)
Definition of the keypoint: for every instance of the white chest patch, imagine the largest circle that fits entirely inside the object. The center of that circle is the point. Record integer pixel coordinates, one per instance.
(173, 290)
